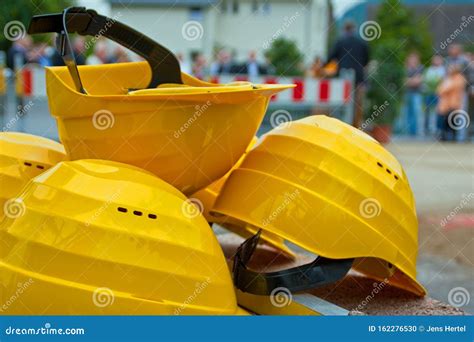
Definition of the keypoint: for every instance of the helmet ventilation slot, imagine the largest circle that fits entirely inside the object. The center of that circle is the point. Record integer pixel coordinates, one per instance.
(41, 167)
(136, 213)
(388, 170)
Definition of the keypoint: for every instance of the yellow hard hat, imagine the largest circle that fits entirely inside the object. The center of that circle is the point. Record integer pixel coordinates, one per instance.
(206, 197)
(149, 114)
(333, 190)
(100, 237)
(22, 157)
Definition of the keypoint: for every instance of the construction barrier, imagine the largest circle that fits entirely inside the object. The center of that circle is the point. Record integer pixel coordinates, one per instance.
(30, 81)
(308, 94)
(334, 91)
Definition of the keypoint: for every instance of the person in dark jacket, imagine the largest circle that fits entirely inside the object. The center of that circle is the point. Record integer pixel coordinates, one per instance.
(351, 52)
(19, 51)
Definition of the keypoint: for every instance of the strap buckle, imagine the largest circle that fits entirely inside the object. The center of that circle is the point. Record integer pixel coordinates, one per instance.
(164, 65)
(320, 272)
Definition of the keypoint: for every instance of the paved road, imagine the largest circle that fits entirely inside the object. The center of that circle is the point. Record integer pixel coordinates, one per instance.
(442, 178)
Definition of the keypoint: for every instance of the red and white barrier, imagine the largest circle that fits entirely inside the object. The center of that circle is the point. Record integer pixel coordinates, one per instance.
(333, 92)
(31, 81)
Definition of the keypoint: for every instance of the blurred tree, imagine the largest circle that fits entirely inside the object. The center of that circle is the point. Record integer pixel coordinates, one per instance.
(23, 10)
(386, 80)
(285, 57)
(400, 33)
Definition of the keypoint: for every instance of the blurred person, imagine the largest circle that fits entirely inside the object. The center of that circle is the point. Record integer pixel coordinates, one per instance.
(470, 80)
(457, 57)
(38, 54)
(315, 69)
(252, 68)
(184, 64)
(19, 48)
(199, 66)
(451, 98)
(413, 98)
(432, 77)
(100, 55)
(119, 55)
(351, 52)
(79, 49)
(223, 64)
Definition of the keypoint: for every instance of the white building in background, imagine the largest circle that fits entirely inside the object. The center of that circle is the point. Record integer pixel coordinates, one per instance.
(187, 26)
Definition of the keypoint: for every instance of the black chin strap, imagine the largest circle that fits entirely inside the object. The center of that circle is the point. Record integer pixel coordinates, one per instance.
(164, 64)
(320, 272)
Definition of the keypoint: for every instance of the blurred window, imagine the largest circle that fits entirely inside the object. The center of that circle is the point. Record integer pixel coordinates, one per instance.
(195, 13)
(235, 6)
(254, 6)
(225, 6)
(266, 8)
(261, 7)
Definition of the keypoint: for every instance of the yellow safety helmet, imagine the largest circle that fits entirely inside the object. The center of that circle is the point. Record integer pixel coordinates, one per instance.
(100, 237)
(149, 114)
(333, 190)
(22, 157)
(206, 197)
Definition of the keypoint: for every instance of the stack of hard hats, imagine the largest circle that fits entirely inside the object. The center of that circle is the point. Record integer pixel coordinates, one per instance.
(105, 226)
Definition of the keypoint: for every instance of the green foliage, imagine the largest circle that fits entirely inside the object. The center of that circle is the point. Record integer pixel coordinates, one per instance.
(23, 10)
(285, 57)
(400, 33)
(386, 81)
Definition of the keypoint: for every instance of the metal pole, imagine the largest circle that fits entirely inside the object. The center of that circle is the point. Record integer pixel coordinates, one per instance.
(3, 87)
(18, 62)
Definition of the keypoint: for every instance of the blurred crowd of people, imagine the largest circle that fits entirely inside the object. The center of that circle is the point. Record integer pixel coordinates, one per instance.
(431, 92)
(45, 55)
(435, 94)
(25, 51)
